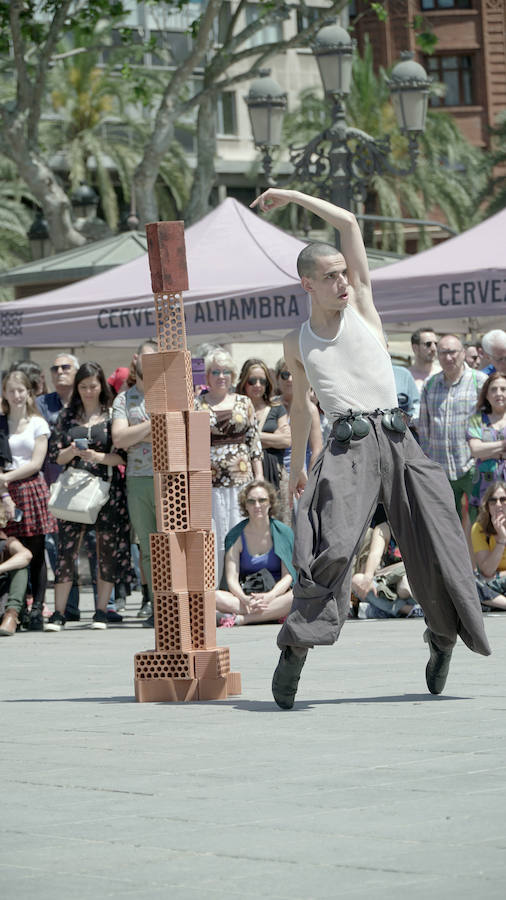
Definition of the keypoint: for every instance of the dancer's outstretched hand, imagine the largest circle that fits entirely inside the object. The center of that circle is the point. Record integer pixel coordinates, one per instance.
(273, 198)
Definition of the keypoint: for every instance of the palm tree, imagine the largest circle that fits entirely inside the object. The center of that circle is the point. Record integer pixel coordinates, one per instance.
(450, 172)
(15, 219)
(95, 134)
(496, 185)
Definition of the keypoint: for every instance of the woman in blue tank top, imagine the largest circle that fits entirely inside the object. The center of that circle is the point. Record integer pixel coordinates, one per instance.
(258, 562)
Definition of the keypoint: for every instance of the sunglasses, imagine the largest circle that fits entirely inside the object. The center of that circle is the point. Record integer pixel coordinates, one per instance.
(252, 501)
(217, 372)
(65, 367)
(429, 343)
(251, 381)
(497, 499)
(285, 375)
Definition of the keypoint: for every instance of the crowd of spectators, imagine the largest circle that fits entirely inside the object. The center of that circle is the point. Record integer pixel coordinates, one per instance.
(454, 394)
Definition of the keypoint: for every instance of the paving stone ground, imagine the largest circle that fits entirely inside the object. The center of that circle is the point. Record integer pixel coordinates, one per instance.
(369, 787)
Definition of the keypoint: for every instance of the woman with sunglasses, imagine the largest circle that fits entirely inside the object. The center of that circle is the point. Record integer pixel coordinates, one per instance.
(258, 562)
(236, 452)
(24, 484)
(486, 434)
(255, 382)
(488, 536)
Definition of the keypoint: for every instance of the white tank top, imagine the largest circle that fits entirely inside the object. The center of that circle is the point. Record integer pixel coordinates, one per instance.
(352, 371)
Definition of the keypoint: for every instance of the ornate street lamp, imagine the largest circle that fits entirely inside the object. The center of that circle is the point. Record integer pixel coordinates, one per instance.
(38, 235)
(84, 202)
(341, 160)
(266, 103)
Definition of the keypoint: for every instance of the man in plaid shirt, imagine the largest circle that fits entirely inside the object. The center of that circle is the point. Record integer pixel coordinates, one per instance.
(448, 400)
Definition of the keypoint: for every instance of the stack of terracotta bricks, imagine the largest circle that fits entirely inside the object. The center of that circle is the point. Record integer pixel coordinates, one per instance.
(185, 664)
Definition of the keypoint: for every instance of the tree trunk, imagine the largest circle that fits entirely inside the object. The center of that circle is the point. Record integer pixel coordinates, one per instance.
(205, 174)
(48, 193)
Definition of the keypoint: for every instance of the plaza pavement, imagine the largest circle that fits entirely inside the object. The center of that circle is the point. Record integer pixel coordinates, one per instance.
(369, 788)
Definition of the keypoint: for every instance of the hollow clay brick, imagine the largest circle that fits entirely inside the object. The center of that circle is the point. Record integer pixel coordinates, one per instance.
(168, 561)
(199, 489)
(167, 256)
(203, 619)
(171, 502)
(168, 435)
(212, 688)
(212, 663)
(233, 683)
(168, 381)
(199, 440)
(172, 622)
(163, 690)
(155, 664)
(200, 560)
(170, 324)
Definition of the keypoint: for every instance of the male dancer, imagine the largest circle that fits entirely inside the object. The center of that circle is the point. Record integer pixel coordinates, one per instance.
(371, 456)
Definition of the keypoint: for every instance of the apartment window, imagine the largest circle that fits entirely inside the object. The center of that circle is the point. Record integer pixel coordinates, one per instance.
(271, 33)
(456, 73)
(226, 119)
(308, 17)
(446, 4)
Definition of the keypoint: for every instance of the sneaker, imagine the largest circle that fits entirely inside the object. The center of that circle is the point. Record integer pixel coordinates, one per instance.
(286, 677)
(227, 620)
(438, 666)
(146, 610)
(55, 622)
(73, 616)
(121, 604)
(99, 620)
(149, 623)
(113, 617)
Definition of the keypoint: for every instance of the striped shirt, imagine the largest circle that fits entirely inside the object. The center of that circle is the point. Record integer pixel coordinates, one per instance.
(444, 415)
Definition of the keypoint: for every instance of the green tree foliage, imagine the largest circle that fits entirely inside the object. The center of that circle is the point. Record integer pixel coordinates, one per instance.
(495, 190)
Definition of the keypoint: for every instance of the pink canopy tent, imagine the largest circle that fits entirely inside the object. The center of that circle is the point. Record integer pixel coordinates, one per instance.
(242, 278)
(462, 277)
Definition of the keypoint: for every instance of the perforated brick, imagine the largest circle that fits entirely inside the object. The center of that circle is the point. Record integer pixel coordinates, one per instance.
(213, 688)
(199, 440)
(169, 317)
(212, 663)
(171, 502)
(167, 256)
(172, 622)
(162, 690)
(234, 683)
(168, 562)
(168, 381)
(199, 487)
(168, 434)
(200, 560)
(203, 619)
(156, 664)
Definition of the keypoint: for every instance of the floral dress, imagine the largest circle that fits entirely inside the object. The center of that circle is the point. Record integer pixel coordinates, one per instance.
(235, 443)
(485, 470)
(112, 525)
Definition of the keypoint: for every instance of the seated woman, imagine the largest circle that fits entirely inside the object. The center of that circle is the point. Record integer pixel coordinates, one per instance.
(488, 536)
(14, 562)
(258, 549)
(385, 588)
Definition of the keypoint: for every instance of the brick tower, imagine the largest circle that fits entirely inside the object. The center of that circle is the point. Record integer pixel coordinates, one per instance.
(185, 664)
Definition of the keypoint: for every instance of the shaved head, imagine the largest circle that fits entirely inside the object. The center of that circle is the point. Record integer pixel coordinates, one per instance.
(310, 254)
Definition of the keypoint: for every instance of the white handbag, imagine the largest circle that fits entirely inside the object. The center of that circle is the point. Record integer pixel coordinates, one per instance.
(78, 496)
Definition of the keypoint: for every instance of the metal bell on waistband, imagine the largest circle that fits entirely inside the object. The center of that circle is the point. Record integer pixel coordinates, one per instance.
(343, 432)
(398, 423)
(360, 427)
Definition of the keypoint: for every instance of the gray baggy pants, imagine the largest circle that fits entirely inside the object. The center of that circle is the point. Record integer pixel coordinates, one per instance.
(337, 505)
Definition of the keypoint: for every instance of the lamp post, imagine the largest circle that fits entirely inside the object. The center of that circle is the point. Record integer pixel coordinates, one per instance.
(341, 160)
(84, 202)
(38, 235)
(266, 105)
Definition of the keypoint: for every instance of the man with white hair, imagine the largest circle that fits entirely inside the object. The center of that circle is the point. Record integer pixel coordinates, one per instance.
(494, 345)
